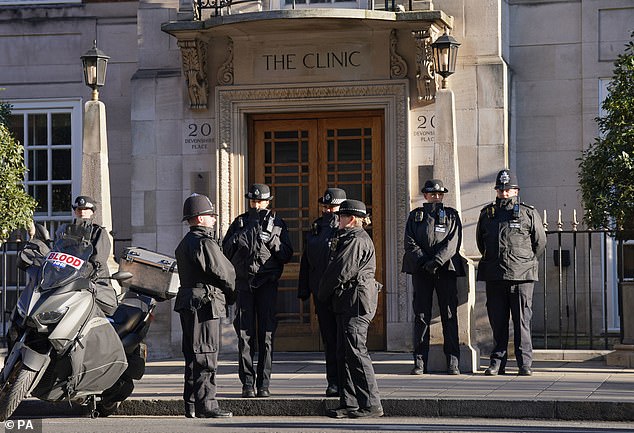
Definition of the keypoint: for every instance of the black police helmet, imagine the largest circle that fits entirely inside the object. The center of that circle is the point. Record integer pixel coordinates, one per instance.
(333, 196)
(197, 204)
(85, 202)
(505, 180)
(259, 191)
(434, 185)
(352, 207)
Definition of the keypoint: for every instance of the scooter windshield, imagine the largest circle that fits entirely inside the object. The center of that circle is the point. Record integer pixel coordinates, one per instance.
(68, 259)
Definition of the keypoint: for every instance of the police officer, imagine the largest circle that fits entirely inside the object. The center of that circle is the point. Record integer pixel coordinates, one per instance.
(348, 284)
(433, 236)
(84, 208)
(258, 245)
(511, 237)
(312, 266)
(207, 281)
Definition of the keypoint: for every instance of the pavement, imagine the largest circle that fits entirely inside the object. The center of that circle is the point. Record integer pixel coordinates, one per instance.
(567, 388)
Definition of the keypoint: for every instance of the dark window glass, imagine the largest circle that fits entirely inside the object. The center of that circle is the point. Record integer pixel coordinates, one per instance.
(40, 194)
(349, 150)
(61, 199)
(286, 152)
(37, 162)
(37, 129)
(61, 129)
(16, 126)
(61, 164)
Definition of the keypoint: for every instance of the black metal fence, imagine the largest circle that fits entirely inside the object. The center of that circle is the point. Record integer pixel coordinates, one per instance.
(579, 291)
(223, 7)
(574, 304)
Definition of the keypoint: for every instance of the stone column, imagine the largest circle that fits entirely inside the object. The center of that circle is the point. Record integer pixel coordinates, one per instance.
(95, 175)
(446, 169)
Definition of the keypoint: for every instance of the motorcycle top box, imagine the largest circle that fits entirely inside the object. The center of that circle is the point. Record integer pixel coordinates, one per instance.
(153, 274)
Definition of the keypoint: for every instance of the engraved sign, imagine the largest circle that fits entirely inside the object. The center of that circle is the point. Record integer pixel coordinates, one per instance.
(198, 136)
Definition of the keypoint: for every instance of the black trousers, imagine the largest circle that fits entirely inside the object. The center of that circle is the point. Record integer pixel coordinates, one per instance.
(514, 299)
(201, 337)
(444, 283)
(328, 330)
(357, 382)
(255, 318)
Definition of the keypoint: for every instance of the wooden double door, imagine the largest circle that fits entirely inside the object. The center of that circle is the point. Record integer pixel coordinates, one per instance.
(300, 155)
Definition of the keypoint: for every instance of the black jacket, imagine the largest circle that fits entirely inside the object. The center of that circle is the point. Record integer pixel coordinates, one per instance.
(511, 237)
(315, 256)
(348, 282)
(258, 245)
(430, 235)
(206, 276)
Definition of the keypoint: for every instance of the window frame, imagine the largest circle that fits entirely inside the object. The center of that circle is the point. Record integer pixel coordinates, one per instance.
(51, 106)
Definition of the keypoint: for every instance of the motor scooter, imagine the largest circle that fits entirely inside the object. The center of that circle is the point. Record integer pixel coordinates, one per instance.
(62, 347)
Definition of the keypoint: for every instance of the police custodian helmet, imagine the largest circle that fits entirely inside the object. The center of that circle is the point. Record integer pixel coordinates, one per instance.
(259, 191)
(85, 202)
(505, 180)
(197, 204)
(353, 207)
(333, 196)
(434, 185)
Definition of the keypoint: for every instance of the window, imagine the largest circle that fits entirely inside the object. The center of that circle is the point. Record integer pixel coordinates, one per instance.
(51, 135)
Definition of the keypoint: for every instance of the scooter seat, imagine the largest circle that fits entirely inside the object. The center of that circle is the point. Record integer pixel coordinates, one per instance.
(128, 315)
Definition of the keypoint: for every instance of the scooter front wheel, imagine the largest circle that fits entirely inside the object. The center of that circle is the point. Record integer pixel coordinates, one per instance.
(14, 390)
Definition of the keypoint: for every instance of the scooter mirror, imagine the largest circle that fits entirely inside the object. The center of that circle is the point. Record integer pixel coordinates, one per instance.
(121, 275)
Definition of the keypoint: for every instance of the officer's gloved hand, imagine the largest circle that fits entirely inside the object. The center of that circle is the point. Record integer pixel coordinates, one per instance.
(431, 266)
(230, 297)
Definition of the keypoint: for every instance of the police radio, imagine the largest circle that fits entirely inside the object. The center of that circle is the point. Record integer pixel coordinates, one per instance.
(419, 216)
(442, 216)
(516, 209)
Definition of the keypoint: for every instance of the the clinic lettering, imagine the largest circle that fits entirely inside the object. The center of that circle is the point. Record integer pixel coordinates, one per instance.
(318, 60)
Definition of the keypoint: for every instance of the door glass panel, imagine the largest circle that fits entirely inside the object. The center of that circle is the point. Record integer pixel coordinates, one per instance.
(286, 156)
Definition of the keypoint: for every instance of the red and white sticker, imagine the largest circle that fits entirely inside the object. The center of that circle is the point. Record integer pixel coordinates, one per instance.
(62, 260)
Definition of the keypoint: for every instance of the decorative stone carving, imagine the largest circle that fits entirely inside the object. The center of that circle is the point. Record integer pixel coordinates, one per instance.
(234, 104)
(426, 80)
(225, 73)
(398, 67)
(194, 54)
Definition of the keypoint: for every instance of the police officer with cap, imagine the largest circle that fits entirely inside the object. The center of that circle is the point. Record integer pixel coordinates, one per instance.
(258, 245)
(84, 208)
(349, 286)
(207, 281)
(433, 236)
(312, 267)
(511, 237)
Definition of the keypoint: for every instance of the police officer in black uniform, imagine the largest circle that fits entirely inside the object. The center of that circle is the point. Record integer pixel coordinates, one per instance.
(433, 236)
(258, 245)
(312, 266)
(348, 284)
(511, 237)
(207, 281)
(84, 208)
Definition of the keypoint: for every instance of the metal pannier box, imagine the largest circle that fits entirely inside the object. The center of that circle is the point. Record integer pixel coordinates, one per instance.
(153, 274)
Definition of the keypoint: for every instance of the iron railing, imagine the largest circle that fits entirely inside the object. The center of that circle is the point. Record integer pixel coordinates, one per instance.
(224, 7)
(580, 283)
(573, 294)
